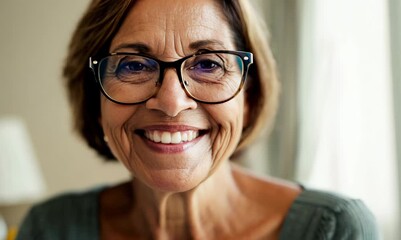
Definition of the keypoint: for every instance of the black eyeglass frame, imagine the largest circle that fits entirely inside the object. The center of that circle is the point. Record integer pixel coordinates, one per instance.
(246, 57)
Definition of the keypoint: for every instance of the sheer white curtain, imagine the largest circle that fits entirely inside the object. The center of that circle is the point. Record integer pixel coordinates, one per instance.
(346, 131)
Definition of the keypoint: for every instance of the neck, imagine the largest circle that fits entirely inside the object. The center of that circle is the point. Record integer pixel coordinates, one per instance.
(192, 213)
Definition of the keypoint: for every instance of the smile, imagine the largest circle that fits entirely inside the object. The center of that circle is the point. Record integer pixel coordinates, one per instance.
(171, 137)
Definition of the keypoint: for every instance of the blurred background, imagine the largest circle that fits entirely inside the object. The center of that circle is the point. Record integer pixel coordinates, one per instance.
(338, 127)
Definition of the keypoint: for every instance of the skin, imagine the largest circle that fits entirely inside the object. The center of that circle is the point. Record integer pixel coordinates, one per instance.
(187, 190)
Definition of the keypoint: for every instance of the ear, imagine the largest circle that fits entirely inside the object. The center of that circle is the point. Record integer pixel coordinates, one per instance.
(105, 139)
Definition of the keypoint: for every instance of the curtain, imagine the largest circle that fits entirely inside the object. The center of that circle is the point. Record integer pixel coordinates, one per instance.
(340, 111)
(282, 17)
(282, 21)
(347, 140)
(395, 23)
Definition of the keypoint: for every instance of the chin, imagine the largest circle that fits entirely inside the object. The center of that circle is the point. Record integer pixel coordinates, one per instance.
(176, 181)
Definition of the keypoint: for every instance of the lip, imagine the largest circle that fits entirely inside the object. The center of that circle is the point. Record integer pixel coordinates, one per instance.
(170, 148)
(170, 128)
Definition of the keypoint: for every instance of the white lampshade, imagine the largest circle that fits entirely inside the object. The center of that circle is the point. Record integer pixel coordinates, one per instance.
(20, 178)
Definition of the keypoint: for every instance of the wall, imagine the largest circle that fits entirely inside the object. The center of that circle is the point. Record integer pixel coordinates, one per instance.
(33, 39)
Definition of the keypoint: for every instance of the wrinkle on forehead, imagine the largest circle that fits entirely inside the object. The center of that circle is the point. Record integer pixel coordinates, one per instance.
(170, 26)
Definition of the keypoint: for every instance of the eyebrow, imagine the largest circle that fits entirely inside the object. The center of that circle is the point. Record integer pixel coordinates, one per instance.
(139, 47)
(206, 43)
(143, 48)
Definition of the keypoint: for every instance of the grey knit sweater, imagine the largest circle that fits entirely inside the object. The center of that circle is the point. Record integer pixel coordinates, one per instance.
(315, 215)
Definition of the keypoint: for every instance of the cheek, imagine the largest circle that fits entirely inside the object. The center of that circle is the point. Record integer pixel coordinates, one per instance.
(227, 127)
(113, 120)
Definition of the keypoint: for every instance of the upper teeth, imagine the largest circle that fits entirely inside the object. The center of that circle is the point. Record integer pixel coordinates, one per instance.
(171, 137)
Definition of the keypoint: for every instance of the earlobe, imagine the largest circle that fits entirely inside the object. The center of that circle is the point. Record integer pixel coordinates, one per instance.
(105, 138)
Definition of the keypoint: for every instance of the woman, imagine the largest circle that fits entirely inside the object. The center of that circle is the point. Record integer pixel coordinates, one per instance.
(178, 92)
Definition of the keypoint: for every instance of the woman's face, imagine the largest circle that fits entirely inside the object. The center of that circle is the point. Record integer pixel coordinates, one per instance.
(169, 30)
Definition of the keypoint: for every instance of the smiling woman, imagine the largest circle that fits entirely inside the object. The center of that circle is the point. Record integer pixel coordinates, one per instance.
(177, 88)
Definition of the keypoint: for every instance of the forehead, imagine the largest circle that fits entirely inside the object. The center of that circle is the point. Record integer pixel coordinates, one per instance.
(166, 26)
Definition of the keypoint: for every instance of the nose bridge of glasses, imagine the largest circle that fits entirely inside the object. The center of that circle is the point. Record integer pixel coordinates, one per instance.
(164, 66)
(171, 92)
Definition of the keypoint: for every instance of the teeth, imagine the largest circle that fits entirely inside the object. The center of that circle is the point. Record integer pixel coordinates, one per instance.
(176, 137)
(166, 137)
(156, 137)
(171, 137)
(184, 136)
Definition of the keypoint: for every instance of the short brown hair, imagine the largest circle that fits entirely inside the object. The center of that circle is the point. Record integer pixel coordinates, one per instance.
(93, 36)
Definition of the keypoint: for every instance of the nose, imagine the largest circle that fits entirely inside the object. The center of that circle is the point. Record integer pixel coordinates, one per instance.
(171, 98)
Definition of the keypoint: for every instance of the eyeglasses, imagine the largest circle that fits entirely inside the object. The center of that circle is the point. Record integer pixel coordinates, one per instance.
(207, 77)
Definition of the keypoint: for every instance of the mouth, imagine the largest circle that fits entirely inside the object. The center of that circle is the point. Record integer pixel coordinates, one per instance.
(171, 137)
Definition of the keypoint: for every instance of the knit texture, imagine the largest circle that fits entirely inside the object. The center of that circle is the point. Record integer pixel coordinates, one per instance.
(314, 215)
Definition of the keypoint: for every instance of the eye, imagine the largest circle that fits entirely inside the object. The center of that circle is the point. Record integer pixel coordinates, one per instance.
(206, 65)
(130, 68)
(134, 67)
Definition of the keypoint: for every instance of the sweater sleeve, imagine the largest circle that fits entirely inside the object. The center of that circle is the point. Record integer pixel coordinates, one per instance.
(355, 221)
(319, 215)
(29, 228)
(71, 216)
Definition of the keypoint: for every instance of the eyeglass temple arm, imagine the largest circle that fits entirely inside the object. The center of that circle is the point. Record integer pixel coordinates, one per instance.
(92, 63)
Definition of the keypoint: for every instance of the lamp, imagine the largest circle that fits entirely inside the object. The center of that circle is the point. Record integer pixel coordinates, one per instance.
(20, 178)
